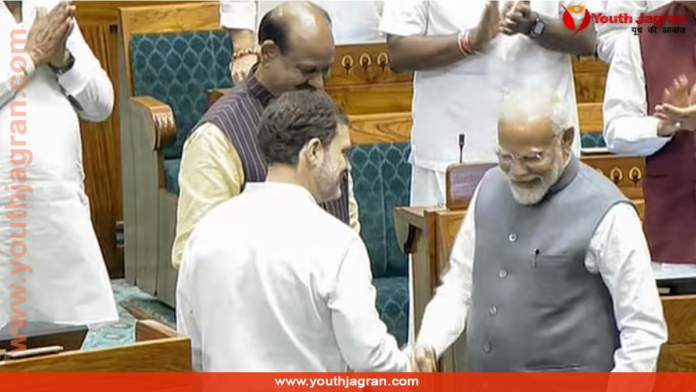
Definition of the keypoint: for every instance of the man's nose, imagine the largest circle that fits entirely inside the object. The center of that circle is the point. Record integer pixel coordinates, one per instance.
(517, 170)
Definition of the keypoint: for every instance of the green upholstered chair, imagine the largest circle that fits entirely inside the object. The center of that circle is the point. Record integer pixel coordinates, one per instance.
(170, 56)
(382, 181)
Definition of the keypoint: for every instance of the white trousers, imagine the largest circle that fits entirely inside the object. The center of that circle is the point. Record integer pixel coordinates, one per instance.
(427, 187)
(427, 190)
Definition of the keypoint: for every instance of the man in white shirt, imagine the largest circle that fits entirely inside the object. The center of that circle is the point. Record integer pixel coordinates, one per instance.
(271, 281)
(649, 83)
(49, 251)
(609, 33)
(354, 22)
(550, 270)
(467, 56)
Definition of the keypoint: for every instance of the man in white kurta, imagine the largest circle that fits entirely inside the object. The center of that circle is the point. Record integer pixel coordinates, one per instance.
(354, 22)
(49, 251)
(272, 282)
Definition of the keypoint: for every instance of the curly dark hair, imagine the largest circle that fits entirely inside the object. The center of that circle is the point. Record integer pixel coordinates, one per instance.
(294, 119)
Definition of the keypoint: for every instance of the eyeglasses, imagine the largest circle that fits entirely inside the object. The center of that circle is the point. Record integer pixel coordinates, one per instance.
(531, 159)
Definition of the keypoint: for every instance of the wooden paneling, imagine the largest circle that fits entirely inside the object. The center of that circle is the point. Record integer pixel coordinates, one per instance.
(101, 141)
(362, 83)
(590, 75)
(380, 128)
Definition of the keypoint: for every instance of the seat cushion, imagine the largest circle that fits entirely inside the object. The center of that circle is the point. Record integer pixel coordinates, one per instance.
(179, 69)
(393, 305)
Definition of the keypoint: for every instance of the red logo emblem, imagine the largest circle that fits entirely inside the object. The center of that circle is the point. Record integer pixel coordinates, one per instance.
(570, 22)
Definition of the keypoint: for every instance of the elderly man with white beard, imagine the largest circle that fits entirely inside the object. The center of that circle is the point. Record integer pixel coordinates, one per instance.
(550, 270)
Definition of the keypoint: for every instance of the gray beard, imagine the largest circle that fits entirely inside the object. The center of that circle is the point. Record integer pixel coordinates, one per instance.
(532, 196)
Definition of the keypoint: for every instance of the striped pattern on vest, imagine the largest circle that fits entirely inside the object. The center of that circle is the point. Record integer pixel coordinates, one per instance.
(238, 115)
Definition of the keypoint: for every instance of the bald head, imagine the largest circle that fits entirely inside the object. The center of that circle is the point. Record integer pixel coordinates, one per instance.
(297, 47)
(296, 23)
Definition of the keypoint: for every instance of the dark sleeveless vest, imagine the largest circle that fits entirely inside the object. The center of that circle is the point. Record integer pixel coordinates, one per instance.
(669, 185)
(238, 115)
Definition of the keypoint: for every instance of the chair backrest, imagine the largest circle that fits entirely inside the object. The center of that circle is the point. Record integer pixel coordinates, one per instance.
(381, 182)
(175, 53)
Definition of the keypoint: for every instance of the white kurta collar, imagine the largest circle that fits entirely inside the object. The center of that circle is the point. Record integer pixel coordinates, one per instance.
(286, 189)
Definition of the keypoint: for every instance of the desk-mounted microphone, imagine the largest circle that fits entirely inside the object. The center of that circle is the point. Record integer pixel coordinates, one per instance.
(461, 147)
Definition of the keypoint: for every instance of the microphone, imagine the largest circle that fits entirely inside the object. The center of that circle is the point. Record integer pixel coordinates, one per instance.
(461, 147)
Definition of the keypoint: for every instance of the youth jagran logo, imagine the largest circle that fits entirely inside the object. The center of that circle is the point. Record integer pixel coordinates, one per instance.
(570, 22)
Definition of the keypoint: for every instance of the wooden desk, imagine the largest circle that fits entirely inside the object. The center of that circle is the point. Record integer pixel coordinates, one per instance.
(158, 349)
(428, 234)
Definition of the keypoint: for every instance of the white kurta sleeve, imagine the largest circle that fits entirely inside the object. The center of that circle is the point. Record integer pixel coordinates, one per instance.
(445, 316)
(361, 335)
(238, 14)
(627, 127)
(16, 79)
(404, 18)
(609, 33)
(622, 256)
(87, 82)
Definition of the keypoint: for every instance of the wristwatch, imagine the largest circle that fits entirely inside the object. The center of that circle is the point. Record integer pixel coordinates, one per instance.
(538, 27)
(65, 68)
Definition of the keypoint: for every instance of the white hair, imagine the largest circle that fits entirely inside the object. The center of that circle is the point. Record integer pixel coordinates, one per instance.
(534, 103)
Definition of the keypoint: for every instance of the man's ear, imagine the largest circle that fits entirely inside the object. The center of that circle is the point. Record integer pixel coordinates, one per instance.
(269, 50)
(313, 152)
(568, 138)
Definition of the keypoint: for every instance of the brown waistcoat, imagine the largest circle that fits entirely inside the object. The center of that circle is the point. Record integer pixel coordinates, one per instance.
(670, 180)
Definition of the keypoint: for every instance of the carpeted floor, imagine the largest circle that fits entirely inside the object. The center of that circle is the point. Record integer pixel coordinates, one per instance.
(123, 332)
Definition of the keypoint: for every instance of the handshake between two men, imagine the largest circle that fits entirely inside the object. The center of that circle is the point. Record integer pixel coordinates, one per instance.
(423, 360)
